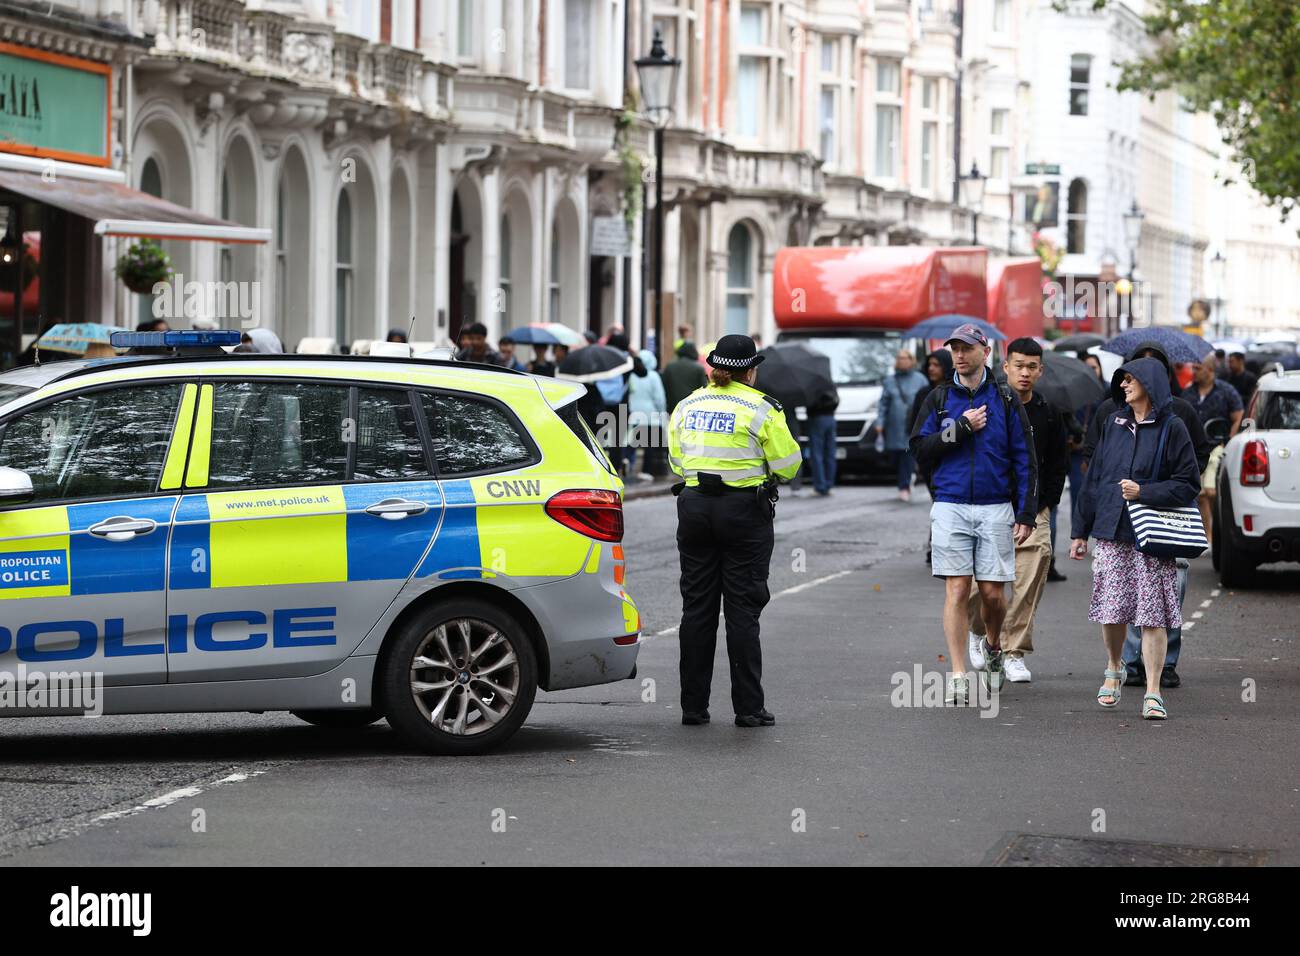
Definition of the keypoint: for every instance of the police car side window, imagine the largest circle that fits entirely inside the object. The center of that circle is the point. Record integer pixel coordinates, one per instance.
(471, 435)
(388, 439)
(104, 444)
(278, 433)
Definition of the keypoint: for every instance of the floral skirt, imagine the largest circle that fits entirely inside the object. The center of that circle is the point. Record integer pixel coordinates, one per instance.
(1129, 587)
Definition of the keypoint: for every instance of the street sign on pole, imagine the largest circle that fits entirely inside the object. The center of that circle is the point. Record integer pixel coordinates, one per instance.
(609, 236)
(1042, 169)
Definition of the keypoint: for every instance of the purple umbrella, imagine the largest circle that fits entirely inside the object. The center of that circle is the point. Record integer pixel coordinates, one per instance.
(1178, 346)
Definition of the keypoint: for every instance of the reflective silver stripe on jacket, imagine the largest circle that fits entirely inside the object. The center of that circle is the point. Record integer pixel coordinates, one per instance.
(729, 474)
(789, 459)
(713, 451)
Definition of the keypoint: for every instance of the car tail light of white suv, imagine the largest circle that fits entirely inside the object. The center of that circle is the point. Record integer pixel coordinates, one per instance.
(1254, 463)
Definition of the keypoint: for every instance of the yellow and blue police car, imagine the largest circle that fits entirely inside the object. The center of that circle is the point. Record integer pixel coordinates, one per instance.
(348, 539)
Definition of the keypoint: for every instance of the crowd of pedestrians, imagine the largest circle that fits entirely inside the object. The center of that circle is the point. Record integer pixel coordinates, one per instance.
(997, 457)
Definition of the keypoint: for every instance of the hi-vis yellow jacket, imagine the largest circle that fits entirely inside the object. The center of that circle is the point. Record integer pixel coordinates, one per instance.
(735, 432)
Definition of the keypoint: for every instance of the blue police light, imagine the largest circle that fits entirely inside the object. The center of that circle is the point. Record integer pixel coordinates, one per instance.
(195, 338)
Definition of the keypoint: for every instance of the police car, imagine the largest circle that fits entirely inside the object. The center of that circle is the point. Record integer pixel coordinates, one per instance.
(345, 538)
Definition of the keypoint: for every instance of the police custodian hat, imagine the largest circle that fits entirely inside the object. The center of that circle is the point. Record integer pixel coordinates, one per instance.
(735, 352)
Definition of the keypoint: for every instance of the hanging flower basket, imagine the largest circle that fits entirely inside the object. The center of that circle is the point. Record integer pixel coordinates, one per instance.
(143, 266)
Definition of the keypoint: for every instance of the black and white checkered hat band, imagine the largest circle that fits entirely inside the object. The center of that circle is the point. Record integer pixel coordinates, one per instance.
(716, 359)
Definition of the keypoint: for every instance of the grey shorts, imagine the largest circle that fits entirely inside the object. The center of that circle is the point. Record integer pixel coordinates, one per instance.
(972, 540)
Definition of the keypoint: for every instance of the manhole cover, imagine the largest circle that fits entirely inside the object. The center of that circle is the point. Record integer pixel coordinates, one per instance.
(1029, 849)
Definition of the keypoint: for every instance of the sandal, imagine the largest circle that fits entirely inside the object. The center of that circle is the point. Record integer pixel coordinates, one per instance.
(1153, 708)
(1109, 696)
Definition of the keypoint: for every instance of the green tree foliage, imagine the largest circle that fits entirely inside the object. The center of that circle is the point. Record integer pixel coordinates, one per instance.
(1239, 61)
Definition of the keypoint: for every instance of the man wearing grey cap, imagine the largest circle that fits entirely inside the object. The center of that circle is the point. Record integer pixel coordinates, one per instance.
(974, 437)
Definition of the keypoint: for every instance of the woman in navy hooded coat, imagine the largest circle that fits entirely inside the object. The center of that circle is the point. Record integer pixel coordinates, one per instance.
(1130, 587)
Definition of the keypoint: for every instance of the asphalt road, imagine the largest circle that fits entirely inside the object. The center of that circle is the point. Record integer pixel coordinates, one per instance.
(608, 774)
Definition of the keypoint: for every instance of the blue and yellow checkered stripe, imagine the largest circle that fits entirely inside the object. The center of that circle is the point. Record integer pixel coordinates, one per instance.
(298, 536)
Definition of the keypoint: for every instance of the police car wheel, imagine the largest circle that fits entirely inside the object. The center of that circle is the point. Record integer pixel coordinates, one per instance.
(339, 719)
(459, 679)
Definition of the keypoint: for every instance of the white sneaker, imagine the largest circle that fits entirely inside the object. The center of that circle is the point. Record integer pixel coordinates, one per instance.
(1016, 670)
(905, 494)
(975, 650)
(958, 693)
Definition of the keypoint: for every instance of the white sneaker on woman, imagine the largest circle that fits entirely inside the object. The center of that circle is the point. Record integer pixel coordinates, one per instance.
(975, 651)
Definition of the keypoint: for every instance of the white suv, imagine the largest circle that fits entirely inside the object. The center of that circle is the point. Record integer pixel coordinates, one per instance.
(1258, 512)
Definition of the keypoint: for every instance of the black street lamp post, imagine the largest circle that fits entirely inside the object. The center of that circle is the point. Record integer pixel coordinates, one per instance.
(1217, 265)
(1132, 235)
(658, 76)
(972, 189)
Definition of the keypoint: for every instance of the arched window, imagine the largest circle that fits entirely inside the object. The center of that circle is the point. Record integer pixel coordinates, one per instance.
(1080, 69)
(505, 272)
(281, 251)
(740, 279)
(151, 178)
(343, 271)
(226, 261)
(555, 273)
(1076, 216)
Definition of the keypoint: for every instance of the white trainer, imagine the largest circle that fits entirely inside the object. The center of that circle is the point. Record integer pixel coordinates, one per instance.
(975, 650)
(1016, 670)
(958, 692)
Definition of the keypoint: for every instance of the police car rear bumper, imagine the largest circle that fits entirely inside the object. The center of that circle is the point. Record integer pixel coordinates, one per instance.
(585, 631)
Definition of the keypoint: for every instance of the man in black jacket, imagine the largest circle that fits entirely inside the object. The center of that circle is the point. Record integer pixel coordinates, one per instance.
(1024, 367)
(1202, 447)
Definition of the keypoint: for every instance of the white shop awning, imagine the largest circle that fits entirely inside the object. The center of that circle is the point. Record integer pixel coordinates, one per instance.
(119, 210)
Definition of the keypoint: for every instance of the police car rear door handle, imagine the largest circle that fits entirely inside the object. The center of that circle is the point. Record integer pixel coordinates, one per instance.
(122, 528)
(394, 509)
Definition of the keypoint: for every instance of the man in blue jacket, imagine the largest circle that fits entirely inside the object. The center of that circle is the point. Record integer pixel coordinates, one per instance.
(974, 437)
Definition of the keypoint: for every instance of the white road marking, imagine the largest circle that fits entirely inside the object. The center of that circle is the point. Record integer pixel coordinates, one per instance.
(1207, 602)
(812, 584)
(167, 799)
(669, 631)
(1188, 625)
(1197, 615)
(1214, 593)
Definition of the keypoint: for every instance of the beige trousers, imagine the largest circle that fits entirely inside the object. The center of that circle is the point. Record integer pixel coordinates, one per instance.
(1033, 558)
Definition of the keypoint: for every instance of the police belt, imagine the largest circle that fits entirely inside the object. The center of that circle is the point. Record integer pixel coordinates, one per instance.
(711, 484)
(723, 489)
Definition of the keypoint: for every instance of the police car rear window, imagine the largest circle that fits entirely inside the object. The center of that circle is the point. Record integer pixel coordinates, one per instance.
(577, 424)
(471, 436)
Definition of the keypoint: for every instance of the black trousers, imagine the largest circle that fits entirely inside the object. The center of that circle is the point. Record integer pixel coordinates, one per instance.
(725, 543)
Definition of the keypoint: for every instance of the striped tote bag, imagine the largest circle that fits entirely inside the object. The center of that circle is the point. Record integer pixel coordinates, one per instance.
(1167, 532)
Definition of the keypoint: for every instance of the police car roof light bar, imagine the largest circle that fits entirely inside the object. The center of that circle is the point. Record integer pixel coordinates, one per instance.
(143, 361)
(196, 338)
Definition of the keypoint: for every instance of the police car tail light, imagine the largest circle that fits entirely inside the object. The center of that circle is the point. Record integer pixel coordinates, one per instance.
(596, 513)
(1254, 463)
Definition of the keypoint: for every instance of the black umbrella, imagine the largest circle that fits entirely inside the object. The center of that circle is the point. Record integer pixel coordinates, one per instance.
(1260, 363)
(1067, 383)
(1079, 342)
(795, 374)
(594, 363)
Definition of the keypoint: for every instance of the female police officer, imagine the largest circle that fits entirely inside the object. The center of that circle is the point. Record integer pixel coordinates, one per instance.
(731, 444)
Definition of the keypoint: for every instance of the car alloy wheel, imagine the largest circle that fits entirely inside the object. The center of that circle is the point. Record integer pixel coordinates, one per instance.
(465, 677)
